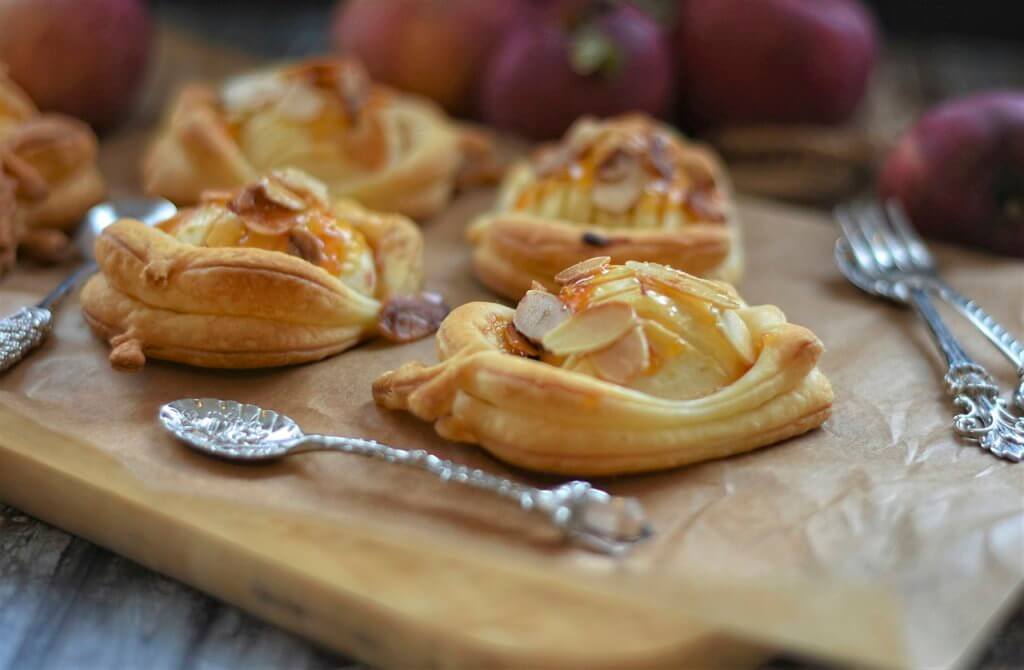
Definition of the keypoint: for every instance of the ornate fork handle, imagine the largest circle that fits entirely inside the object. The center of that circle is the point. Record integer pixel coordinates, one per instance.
(984, 417)
(21, 332)
(585, 514)
(991, 329)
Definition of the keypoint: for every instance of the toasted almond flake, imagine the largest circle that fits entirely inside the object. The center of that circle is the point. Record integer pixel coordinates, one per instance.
(736, 331)
(628, 357)
(686, 285)
(592, 329)
(411, 317)
(537, 286)
(619, 196)
(300, 103)
(538, 313)
(248, 92)
(306, 245)
(302, 183)
(582, 269)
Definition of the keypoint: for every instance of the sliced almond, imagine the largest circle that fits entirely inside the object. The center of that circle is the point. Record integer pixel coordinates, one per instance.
(411, 317)
(736, 331)
(619, 196)
(537, 286)
(628, 357)
(582, 269)
(680, 283)
(538, 313)
(306, 245)
(248, 92)
(591, 329)
(660, 153)
(302, 183)
(300, 103)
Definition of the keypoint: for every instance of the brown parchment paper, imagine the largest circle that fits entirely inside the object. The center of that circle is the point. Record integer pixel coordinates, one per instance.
(878, 540)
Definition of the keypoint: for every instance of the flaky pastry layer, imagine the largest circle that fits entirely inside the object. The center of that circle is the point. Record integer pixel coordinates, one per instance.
(548, 217)
(51, 158)
(541, 416)
(392, 152)
(238, 307)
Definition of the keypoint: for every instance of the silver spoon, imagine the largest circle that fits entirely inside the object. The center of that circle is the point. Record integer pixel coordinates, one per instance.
(230, 430)
(26, 329)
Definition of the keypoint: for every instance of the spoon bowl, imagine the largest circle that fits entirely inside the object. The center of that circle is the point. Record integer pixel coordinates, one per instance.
(229, 429)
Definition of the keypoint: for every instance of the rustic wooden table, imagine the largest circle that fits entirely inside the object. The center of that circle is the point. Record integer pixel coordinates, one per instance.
(66, 603)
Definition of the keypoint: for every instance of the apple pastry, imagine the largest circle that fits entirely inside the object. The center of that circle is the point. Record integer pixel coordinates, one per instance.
(626, 368)
(269, 274)
(387, 150)
(628, 187)
(48, 174)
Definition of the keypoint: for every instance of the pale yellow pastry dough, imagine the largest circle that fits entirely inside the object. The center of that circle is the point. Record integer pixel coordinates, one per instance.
(50, 158)
(631, 368)
(269, 274)
(389, 151)
(628, 187)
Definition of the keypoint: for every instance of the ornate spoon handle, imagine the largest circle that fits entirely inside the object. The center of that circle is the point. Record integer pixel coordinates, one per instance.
(586, 515)
(22, 332)
(991, 329)
(984, 417)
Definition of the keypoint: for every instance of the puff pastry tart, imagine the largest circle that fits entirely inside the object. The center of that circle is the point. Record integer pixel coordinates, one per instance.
(628, 368)
(387, 150)
(267, 275)
(48, 162)
(628, 187)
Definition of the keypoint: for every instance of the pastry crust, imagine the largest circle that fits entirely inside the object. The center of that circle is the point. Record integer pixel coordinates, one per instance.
(52, 160)
(233, 304)
(559, 413)
(629, 188)
(389, 151)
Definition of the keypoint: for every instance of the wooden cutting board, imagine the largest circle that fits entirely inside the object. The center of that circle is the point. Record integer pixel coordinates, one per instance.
(753, 553)
(364, 591)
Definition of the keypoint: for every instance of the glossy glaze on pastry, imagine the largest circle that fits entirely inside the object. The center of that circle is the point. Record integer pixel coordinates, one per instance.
(389, 151)
(627, 368)
(49, 161)
(269, 274)
(628, 187)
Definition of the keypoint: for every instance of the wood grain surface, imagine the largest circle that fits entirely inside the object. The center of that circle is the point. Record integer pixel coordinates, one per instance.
(65, 603)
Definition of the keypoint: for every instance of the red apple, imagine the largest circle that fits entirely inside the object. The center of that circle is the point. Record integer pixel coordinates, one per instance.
(547, 72)
(431, 47)
(959, 172)
(793, 61)
(85, 58)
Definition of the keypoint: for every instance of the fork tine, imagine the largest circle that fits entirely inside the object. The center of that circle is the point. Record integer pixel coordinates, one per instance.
(872, 223)
(854, 235)
(893, 240)
(919, 253)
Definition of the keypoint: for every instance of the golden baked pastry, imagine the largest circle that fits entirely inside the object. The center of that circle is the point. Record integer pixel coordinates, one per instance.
(628, 187)
(50, 162)
(270, 274)
(628, 368)
(389, 151)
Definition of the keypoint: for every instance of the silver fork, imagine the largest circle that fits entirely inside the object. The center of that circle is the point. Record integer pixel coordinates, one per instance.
(881, 255)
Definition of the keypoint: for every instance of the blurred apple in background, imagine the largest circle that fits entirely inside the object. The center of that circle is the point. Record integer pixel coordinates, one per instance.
(959, 172)
(432, 47)
(566, 59)
(794, 61)
(86, 58)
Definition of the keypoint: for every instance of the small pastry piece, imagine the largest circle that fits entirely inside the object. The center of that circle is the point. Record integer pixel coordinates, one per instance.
(628, 368)
(51, 162)
(629, 188)
(387, 150)
(265, 275)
